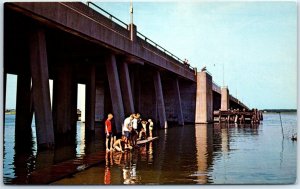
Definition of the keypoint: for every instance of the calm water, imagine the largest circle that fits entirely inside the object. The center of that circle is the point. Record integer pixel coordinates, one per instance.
(202, 154)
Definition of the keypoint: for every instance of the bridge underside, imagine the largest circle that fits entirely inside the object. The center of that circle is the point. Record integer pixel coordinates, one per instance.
(117, 81)
(70, 60)
(232, 103)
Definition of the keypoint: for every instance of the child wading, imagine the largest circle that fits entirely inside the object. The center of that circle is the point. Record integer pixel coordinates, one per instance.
(108, 132)
(150, 127)
(118, 145)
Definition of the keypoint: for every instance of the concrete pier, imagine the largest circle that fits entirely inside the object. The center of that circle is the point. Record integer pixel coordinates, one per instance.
(74, 96)
(126, 88)
(224, 98)
(204, 98)
(178, 105)
(100, 101)
(136, 87)
(40, 87)
(90, 96)
(24, 111)
(160, 100)
(83, 47)
(115, 91)
(62, 102)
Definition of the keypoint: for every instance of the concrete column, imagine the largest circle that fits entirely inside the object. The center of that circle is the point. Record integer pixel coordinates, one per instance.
(24, 113)
(178, 105)
(4, 100)
(126, 89)
(100, 99)
(160, 100)
(90, 99)
(115, 91)
(224, 98)
(40, 89)
(132, 30)
(204, 98)
(62, 88)
(74, 95)
(136, 88)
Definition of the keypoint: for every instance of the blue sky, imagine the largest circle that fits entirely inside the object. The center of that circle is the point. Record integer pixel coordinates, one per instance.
(255, 41)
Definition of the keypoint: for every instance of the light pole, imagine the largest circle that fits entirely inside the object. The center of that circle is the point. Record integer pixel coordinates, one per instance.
(131, 12)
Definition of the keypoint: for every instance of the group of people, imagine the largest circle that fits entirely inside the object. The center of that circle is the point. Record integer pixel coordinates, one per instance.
(133, 129)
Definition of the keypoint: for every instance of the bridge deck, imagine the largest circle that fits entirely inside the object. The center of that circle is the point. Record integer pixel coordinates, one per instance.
(81, 20)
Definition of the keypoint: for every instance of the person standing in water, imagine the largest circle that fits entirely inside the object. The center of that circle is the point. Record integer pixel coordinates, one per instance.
(127, 127)
(150, 127)
(108, 132)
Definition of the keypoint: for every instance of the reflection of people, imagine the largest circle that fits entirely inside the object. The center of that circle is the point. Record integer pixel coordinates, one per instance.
(143, 152)
(108, 132)
(109, 159)
(126, 176)
(150, 152)
(107, 179)
(118, 158)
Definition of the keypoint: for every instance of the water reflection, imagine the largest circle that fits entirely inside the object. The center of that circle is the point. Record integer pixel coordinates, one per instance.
(204, 141)
(200, 154)
(80, 138)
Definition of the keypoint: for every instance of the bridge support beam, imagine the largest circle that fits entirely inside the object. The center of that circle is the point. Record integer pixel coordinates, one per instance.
(100, 97)
(178, 105)
(126, 89)
(224, 98)
(90, 99)
(40, 89)
(62, 91)
(74, 95)
(24, 112)
(136, 87)
(160, 100)
(204, 98)
(115, 91)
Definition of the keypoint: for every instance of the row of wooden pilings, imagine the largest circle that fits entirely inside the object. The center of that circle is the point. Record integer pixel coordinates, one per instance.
(253, 116)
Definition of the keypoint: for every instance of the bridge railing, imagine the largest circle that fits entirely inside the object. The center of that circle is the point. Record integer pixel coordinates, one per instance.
(110, 16)
(144, 39)
(238, 101)
(156, 46)
(105, 19)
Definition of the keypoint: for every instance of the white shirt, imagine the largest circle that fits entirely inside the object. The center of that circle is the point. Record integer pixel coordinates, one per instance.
(134, 124)
(127, 124)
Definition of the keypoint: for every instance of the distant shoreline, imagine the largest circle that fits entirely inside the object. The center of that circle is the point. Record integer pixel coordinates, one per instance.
(13, 112)
(279, 110)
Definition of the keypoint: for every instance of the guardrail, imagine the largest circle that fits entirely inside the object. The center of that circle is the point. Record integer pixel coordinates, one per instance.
(110, 16)
(143, 37)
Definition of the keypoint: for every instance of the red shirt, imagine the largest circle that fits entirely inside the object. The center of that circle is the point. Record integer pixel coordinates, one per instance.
(107, 176)
(108, 126)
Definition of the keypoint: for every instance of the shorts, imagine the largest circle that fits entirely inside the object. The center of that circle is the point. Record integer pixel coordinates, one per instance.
(109, 135)
(127, 134)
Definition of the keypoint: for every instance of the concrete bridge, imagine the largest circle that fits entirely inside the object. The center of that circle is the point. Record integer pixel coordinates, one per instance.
(123, 71)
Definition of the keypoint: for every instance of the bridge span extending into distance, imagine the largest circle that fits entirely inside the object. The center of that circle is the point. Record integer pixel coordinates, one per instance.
(74, 43)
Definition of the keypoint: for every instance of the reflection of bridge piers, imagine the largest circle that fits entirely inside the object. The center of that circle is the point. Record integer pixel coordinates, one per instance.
(122, 70)
(204, 144)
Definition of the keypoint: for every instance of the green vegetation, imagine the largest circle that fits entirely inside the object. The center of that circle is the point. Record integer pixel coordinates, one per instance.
(10, 111)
